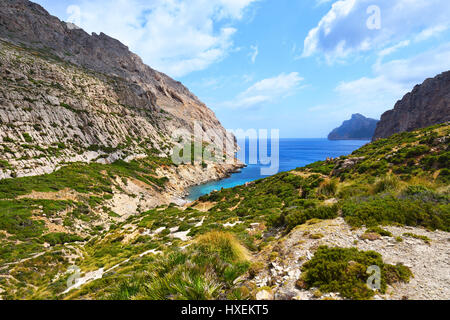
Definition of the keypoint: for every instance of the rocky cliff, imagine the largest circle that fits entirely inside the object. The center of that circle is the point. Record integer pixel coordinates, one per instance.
(68, 96)
(357, 128)
(428, 104)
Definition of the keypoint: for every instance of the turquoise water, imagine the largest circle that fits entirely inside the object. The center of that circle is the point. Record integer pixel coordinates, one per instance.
(293, 153)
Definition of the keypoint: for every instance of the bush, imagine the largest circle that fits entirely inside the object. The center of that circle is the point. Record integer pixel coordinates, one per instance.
(379, 231)
(296, 217)
(429, 213)
(27, 137)
(4, 164)
(444, 176)
(15, 218)
(416, 236)
(344, 271)
(60, 238)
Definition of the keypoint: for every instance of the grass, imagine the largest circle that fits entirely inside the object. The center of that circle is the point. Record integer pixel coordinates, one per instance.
(328, 188)
(386, 184)
(206, 270)
(223, 244)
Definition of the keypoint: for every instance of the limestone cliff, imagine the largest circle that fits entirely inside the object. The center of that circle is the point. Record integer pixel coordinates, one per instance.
(428, 104)
(68, 96)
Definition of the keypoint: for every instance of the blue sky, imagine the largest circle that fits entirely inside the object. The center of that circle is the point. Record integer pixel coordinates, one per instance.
(301, 66)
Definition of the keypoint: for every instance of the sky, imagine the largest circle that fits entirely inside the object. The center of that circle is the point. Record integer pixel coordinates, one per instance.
(300, 66)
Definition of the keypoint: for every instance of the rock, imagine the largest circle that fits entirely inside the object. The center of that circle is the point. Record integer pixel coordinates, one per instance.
(370, 236)
(264, 295)
(103, 97)
(58, 221)
(53, 100)
(428, 104)
(357, 128)
(346, 164)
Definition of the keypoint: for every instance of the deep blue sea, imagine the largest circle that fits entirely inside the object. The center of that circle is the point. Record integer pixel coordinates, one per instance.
(293, 153)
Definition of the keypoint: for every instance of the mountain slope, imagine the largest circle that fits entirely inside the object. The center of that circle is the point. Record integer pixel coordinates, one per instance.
(263, 240)
(70, 96)
(357, 128)
(426, 105)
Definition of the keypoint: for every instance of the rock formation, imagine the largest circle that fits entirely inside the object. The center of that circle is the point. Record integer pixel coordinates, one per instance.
(68, 96)
(357, 128)
(428, 104)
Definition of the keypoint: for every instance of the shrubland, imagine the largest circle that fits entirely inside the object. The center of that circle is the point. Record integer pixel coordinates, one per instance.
(173, 252)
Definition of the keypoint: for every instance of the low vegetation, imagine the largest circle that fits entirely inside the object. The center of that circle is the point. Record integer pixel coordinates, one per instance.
(187, 253)
(345, 271)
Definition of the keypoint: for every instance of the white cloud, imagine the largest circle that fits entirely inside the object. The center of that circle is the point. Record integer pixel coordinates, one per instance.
(343, 30)
(394, 48)
(254, 54)
(392, 80)
(173, 36)
(266, 91)
(431, 32)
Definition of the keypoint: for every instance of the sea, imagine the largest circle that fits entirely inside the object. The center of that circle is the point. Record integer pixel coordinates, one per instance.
(293, 153)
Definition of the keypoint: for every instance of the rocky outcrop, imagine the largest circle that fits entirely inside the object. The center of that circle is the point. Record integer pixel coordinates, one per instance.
(428, 104)
(427, 261)
(67, 96)
(357, 128)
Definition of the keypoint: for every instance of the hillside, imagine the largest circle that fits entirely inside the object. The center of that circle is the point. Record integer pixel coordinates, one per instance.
(91, 202)
(67, 96)
(387, 204)
(357, 128)
(426, 105)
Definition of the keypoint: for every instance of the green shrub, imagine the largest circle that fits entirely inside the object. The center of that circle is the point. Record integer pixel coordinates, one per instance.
(60, 238)
(344, 271)
(379, 231)
(4, 164)
(295, 217)
(416, 236)
(378, 210)
(15, 218)
(27, 137)
(444, 176)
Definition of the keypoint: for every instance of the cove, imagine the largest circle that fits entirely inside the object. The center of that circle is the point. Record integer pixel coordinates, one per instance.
(294, 153)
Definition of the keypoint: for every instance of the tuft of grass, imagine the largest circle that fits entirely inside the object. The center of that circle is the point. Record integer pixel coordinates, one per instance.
(205, 270)
(328, 188)
(223, 244)
(387, 183)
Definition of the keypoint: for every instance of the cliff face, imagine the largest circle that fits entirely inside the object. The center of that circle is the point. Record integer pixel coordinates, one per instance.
(357, 128)
(69, 96)
(428, 104)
